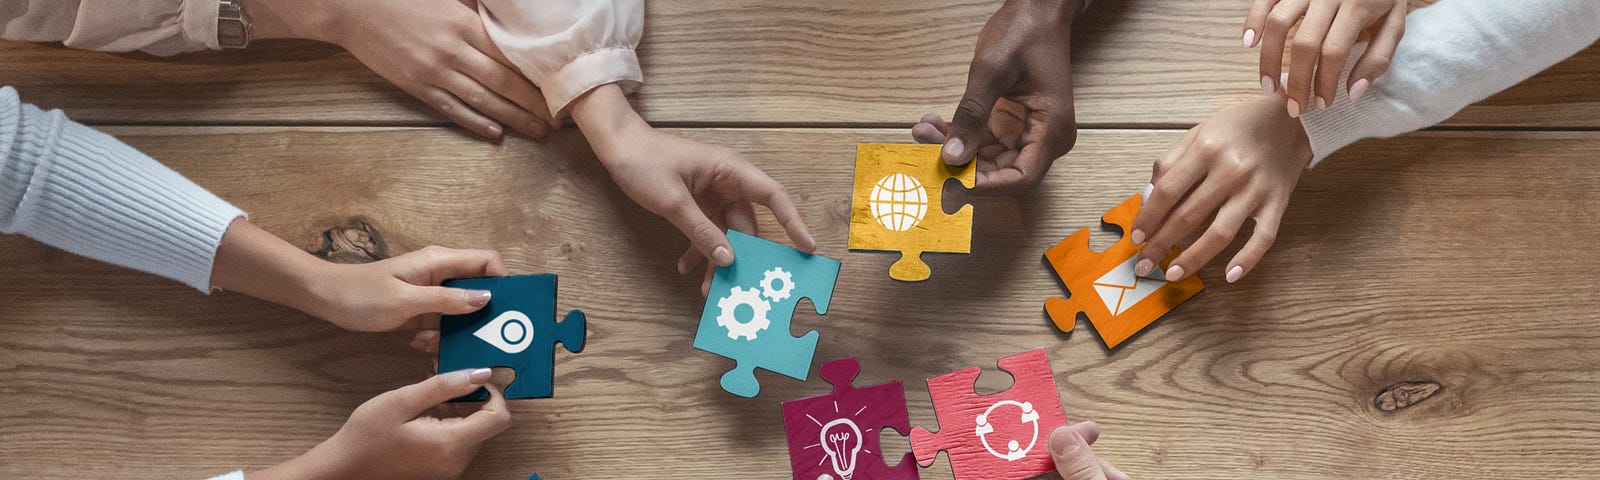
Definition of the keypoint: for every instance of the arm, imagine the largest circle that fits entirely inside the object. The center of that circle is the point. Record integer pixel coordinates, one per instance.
(159, 27)
(1454, 54)
(569, 47)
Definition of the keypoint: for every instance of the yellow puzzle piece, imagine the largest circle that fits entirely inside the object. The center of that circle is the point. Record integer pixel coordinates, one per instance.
(897, 206)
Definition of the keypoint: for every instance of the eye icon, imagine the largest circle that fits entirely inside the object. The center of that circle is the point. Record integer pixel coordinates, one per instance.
(511, 332)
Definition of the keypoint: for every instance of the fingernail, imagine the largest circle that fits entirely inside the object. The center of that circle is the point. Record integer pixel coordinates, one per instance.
(1249, 37)
(1143, 267)
(1321, 104)
(480, 375)
(1358, 88)
(1147, 190)
(1061, 441)
(477, 298)
(952, 150)
(722, 256)
(1137, 237)
(1175, 273)
(1266, 85)
(1294, 109)
(1235, 273)
(493, 129)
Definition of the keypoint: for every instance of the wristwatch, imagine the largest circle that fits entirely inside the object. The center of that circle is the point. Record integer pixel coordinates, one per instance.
(233, 29)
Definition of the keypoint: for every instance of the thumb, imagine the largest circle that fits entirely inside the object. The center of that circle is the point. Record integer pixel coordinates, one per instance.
(969, 129)
(1074, 459)
(406, 403)
(446, 300)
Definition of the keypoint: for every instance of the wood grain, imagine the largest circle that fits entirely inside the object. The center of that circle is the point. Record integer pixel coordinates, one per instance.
(1138, 63)
(1462, 260)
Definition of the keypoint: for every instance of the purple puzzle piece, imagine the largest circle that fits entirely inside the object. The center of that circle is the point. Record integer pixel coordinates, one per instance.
(835, 436)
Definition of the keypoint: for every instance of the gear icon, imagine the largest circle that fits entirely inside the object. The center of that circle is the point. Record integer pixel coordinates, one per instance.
(748, 297)
(777, 294)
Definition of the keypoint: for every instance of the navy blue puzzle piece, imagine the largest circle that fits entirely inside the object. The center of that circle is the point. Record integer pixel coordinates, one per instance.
(517, 329)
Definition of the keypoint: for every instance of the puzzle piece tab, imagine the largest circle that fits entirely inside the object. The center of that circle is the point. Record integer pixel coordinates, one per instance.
(836, 435)
(517, 329)
(750, 305)
(1103, 286)
(1004, 436)
(898, 205)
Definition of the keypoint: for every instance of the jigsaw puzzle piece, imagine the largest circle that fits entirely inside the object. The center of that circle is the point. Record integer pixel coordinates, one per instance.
(836, 435)
(994, 437)
(1103, 286)
(749, 308)
(516, 329)
(898, 206)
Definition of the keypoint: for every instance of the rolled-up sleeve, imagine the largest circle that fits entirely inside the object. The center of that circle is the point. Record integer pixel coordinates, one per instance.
(568, 47)
(159, 27)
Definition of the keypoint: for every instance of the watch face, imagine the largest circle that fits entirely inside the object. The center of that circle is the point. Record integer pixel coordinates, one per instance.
(230, 31)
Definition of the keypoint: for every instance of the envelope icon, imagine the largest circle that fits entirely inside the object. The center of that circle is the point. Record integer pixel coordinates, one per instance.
(1120, 289)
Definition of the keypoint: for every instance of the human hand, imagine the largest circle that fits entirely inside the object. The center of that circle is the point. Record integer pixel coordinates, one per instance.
(1329, 30)
(702, 189)
(1023, 56)
(1240, 164)
(434, 50)
(405, 434)
(1069, 447)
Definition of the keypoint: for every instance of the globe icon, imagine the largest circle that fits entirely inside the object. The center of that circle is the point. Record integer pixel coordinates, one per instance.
(898, 202)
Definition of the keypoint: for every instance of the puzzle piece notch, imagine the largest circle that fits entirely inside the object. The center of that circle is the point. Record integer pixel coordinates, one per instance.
(882, 405)
(516, 329)
(1003, 436)
(898, 205)
(1081, 270)
(763, 341)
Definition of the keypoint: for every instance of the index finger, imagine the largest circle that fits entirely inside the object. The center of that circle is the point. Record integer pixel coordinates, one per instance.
(762, 189)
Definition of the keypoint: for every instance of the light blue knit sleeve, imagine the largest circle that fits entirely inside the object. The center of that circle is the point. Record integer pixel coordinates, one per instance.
(82, 191)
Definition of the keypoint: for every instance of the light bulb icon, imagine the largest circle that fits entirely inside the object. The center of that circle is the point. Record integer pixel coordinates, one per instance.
(841, 440)
(511, 332)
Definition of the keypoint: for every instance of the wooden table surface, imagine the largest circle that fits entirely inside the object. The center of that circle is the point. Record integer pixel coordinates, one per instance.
(1458, 261)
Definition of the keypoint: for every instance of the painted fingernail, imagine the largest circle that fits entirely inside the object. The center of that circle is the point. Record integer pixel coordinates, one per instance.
(1266, 85)
(480, 375)
(1175, 273)
(952, 149)
(1137, 237)
(1235, 273)
(1249, 37)
(1148, 189)
(722, 255)
(1321, 104)
(1143, 267)
(1294, 109)
(1358, 88)
(493, 129)
(477, 298)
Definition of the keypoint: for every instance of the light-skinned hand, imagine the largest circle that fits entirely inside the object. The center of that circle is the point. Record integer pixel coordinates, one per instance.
(1328, 33)
(1240, 164)
(1075, 460)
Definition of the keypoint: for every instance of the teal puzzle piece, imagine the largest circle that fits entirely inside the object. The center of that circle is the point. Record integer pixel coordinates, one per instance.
(750, 304)
(517, 329)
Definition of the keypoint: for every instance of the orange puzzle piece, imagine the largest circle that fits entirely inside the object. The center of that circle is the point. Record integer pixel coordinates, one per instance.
(1103, 286)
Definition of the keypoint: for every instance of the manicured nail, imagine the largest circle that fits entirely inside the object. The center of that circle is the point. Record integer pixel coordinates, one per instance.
(1266, 86)
(477, 298)
(952, 150)
(493, 129)
(1235, 273)
(1175, 273)
(1143, 267)
(1148, 189)
(722, 255)
(1294, 109)
(1321, 104)
(1358, 88)
(1137, 237)
(480, 375)
(1249, 37)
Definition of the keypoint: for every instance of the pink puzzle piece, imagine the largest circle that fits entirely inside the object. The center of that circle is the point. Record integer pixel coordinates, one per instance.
(835, 436)
(994, 437)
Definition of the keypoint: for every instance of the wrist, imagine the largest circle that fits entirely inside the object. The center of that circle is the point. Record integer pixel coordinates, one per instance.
(606, 119)
(254, 262)
(312, 465)
(302, 19)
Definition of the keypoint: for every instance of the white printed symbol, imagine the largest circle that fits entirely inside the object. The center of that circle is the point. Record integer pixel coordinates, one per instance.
(1120, 289)
(898, 201)
(776, 285)
(511, 332)
(1014, 451)
(841, 440)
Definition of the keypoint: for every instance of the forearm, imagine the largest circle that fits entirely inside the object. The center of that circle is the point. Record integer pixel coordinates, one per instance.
(1455, 53)
(317, 464)
(257, 263)
(302, 19)
(606, 118)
